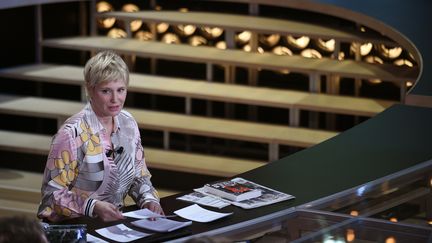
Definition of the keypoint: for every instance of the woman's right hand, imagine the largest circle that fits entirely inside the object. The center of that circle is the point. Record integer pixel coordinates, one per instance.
(107, 211)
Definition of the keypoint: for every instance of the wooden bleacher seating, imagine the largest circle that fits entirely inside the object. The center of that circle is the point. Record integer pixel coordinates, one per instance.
(273, 135)
(155, 158)
(255, 24)
(20, 191)
(237, 58)
(200, 89)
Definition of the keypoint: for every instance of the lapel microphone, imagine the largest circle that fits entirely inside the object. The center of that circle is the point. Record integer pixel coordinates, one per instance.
(118, 150)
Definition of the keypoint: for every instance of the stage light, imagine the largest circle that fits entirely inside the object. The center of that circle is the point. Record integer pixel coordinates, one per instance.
(389, 52)
(310, 53)
(170, 38)
(326, 45)
(211, 32)
(282, 51)
(403, 62)
(390, 239)
(354, 213)
(341, 56)
(248, 48)
(298, 42)
(393, 219)
(243, 37)
(269, 40)
(117, 33)
(365, 48)
(221, 45)
(350, 235)
(102, 7)
(184, 30)
(143, 35)
(162, 27)
(197, 40)
(374, 60)
(130, 8)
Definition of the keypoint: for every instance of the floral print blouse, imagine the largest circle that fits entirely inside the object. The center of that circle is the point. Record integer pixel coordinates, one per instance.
(82, 168)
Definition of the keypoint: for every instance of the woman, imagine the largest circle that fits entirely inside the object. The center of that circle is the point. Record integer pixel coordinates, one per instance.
(96, 157)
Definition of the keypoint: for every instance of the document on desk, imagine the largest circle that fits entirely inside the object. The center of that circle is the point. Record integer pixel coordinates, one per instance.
(94, 239)
(121, 233)
(145, 214)
(199, 214)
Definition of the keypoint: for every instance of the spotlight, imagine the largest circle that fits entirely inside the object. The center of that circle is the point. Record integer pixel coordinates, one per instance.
(184, 30)
(221, 45)
(102, 7)
(375, 60)
(310, 53)
(162, 27)
(130, 8)
(248, 48)
(326, 45)
(143, 35)
(365, 48)
(170, 38)
(117, 33)
(243, 37)
(407, 63)
(393, 219)
(197, 40)
(269, 40)
(341, 56)
(298, 42)
(354, 213)
(282, 51)
(389, 52)
(390, 239)
(211, 32)
(403, 62)
(350, 235)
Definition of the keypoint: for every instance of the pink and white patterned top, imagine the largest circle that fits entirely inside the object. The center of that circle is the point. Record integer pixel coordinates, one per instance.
(78, 171)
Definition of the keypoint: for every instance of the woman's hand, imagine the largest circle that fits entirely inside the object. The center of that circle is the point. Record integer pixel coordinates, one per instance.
(107, 211)
(154, 207)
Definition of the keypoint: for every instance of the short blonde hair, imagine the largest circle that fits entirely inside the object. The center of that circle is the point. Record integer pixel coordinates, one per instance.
(105, 66)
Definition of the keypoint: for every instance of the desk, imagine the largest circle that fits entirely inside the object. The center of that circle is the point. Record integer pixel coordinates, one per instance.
(397, 139)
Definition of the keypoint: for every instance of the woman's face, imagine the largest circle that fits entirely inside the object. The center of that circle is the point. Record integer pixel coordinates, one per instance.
(107, 98)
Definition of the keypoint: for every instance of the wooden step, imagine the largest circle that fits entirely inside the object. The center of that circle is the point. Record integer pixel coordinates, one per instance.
(9, 208)
(25, 187)
(155, 158)
(273, 135)
(255, 24)
(20, 185)
(200, 89)
(238, 58)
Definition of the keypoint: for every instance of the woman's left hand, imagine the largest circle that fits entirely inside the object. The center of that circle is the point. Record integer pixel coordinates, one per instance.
(154, 207)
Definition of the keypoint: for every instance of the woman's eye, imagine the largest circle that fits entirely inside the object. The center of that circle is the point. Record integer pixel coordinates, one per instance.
(105, 91)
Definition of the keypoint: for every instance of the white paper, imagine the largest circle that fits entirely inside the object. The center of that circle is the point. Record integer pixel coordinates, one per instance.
(121, 233)
(199, 214)
(94, 239)
(145, 214)
(200, 198)
(161, 224)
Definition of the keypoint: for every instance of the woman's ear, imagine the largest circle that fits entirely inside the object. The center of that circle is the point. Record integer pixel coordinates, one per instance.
(88, 92)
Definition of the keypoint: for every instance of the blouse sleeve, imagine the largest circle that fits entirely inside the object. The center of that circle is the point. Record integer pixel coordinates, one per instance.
(142, 190)
(59, 199)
